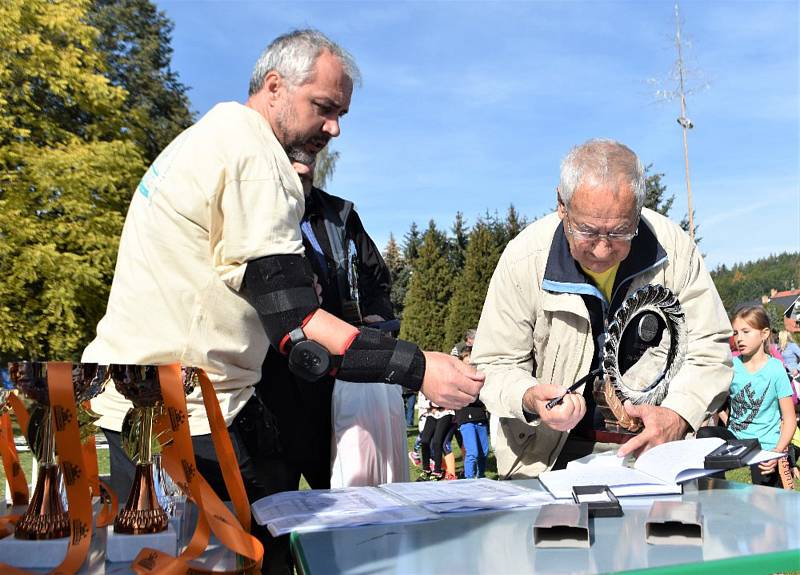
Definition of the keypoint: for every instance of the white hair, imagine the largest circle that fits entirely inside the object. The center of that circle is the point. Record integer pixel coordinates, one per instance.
(293, 56)
(601, 161)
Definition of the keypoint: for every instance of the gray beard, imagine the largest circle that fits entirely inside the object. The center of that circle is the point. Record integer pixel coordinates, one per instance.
(298, 154)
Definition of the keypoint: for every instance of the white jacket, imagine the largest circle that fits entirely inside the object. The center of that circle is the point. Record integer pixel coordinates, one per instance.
(529, 334)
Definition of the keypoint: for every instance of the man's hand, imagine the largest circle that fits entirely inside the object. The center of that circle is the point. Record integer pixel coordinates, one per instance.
(561, 417)
(661, 425)
(449, 382)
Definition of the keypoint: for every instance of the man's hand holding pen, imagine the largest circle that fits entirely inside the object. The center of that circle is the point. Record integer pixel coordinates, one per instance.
(563, 415)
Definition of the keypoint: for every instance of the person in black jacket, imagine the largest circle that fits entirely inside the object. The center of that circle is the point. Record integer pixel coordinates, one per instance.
(473, 423)
(297, 413)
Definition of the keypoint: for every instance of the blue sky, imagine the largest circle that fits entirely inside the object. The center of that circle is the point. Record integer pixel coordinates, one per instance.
(471, 105)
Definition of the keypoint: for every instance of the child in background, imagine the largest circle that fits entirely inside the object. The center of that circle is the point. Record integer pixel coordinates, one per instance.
(437, 424)
(423, 406)
(473, 421)
(760, 395)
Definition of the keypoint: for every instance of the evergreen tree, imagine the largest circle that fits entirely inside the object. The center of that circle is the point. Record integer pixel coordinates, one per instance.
(398, 272)
(514, 223)
(411, 244)
(429, 292)
(749, 281)
(458, 243)
(68, 171)
(483, 252)
(135, 41)
(655, 192)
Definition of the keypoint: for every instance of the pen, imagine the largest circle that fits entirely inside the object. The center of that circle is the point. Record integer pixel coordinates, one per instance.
(558, 400)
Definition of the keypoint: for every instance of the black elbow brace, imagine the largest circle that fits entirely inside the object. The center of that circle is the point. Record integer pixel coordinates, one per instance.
(281, 288)
(375, 356)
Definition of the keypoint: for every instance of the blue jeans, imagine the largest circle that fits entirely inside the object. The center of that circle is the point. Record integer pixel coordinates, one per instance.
(476, 448)
(411, 401)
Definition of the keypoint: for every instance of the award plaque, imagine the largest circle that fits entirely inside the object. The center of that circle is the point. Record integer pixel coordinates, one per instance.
(140, 384)
(645, 347)
(46, 517)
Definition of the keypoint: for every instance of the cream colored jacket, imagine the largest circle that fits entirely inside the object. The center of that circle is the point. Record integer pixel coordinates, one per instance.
(523, 325)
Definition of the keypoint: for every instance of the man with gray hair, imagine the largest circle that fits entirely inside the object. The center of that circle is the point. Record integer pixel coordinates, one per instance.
(211, 268)
(552, 295)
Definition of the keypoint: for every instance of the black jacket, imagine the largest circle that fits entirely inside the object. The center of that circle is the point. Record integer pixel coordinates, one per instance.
(303, 410)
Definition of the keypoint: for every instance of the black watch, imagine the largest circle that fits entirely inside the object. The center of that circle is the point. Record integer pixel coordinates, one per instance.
(308, 359)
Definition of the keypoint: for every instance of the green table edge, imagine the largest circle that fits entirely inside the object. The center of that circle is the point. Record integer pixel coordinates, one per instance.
(299, 556)
(781, 561)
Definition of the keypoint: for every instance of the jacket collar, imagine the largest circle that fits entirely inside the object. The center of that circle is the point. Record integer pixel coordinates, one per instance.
(564, 275)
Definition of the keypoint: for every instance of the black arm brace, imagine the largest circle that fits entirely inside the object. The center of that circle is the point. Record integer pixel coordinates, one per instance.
(281, 288)
(375, 356)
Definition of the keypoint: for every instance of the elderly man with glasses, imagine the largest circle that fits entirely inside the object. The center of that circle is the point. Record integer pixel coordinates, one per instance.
(552, 295)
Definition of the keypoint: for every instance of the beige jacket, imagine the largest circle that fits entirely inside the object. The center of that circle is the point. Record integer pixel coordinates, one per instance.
(528, 335)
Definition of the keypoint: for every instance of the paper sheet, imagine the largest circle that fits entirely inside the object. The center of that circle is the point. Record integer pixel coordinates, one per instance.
(468, 495)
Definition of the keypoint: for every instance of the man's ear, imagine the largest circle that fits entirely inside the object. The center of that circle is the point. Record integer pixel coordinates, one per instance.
(273, 84)
(560, 206)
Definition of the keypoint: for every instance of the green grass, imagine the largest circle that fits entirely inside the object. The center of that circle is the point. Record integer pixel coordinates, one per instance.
(491, 463)
(25, 459)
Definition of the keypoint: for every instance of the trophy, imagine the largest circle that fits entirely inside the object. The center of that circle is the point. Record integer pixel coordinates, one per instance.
(645, 347)
(46, 517)
(140, 384)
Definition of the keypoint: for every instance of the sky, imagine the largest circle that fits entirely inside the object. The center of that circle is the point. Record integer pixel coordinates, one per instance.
(470, 106)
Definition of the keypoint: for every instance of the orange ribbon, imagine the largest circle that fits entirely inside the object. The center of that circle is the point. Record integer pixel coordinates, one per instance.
(108, 511)
(179, 461)
(21, 413)
(70, 455)
(14, 474)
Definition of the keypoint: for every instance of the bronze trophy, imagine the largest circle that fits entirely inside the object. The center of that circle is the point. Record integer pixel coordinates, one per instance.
(140, 384)
(46, 517)
(644, 349)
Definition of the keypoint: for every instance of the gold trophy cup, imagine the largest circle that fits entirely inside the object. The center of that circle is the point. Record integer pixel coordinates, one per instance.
(46, 517)
(140, 384)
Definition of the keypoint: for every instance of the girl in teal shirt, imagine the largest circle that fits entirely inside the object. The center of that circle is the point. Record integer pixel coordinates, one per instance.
(760, 395)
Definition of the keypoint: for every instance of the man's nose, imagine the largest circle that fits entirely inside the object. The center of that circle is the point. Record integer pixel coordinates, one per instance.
(331, 127)
(602, 248)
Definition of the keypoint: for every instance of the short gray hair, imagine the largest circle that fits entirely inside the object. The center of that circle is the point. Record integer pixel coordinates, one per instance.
(293, 56)
(598, 161)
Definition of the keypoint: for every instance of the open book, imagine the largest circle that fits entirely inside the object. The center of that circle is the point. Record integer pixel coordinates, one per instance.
(659, 470)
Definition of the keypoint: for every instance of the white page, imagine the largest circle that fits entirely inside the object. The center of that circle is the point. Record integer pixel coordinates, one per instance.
(409, 514)
(348, 500)
(762, 456)
(678, 461)
(530, 499)
(458, 490)
(621, 480)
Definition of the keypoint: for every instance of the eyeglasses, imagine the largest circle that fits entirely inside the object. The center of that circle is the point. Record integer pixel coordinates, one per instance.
(594, 237)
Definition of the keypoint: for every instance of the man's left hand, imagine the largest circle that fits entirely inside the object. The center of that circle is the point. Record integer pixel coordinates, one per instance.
(661, 425)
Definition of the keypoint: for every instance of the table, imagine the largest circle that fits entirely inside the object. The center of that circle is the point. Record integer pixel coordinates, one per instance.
(747, 529)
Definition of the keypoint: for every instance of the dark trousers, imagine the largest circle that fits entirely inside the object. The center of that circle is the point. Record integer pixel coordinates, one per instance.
(263, 475)
(432, 439)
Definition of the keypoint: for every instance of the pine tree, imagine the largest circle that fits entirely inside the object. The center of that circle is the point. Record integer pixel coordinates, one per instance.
(134, 38)
(411, 244)
(429, 292)
(398, 273)
(458, 243)
(655, 191)
(515, 223)
(68, 168)
(464, 311)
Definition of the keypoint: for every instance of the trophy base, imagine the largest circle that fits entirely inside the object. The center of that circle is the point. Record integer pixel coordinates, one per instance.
(140, 522)
(33, 554)
(45, 517)
(142, 513)
(124, 548)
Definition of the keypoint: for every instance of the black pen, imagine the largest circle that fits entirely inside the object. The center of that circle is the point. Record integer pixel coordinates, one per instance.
(558, 400)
